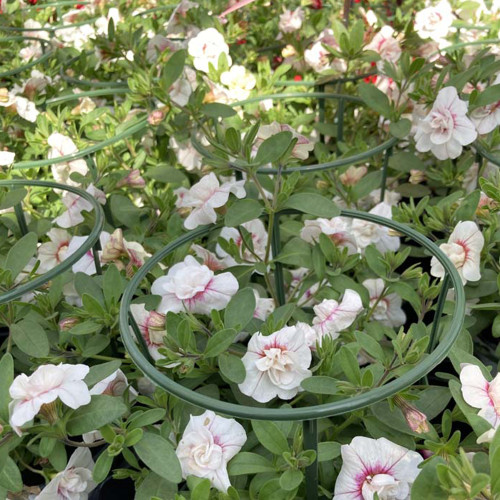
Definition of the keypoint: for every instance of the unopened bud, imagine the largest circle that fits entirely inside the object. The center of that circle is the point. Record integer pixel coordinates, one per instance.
(133, 179)
(352, 175)
(114, 248)
(416, 176)
(156, 117)
(322, 184)
(4, 95)
(289, 51)
(417, 421)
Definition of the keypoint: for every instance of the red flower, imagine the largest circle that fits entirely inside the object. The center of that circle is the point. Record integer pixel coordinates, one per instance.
(297, 78)
(316, 4)
(241, 42)
(32, 2)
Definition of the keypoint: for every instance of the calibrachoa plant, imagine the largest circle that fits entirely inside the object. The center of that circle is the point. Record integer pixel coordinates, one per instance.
(243, 129)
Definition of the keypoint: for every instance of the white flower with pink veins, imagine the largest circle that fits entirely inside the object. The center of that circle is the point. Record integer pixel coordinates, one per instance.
(206, 47)
(46, 384)
(75, 205)
(479, 393)
(207, 445)
(259, 237)
(388, 309)
(53, 252)
(376, 467)
(337, 229)
(487, 118)
(464, 250)
(446, 129)
(207, 195)
(239, 81)
(191, 286)
(332, 316)
(276, 364)
(435, 21)
(151, 324)
(384, 44)
(291, 20)
(367, 233)
(62, 145)
(301, 149)
(74, 482)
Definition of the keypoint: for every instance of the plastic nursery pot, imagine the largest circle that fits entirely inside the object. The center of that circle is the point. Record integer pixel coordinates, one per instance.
(385, 148)
(138, 126)
(45, 55)
(90, 244)
(437, 351)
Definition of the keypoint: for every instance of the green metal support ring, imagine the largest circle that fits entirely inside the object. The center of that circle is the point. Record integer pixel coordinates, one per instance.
(313, 412)
(137, 127)
(30, 64)
(66, 264)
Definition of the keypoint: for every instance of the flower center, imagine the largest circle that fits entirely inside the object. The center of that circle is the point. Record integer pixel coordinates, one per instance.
(190, 281)
(385, 486)
(442, 122)
(208, 455)
(456, 252)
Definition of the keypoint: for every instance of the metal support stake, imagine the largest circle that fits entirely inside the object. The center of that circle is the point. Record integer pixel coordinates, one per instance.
(95, 254)
(385, 165)
(310, 429)
(21, 220)
(321, 109)
(278, 270)
(340, 124)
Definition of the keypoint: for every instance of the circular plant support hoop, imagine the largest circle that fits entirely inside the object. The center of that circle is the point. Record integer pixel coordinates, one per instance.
(29, 65)
(50, 29)
(90, 93)
(137, 127)
(483, 153)
(386, 147)
(66, 264)
(349, 404)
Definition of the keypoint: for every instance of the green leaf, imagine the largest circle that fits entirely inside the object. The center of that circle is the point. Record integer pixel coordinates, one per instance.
(159, 455)
(219, 342)
(31, 338)
(468, 207)
(166, 174)
(270, 436)
(350, 365)
(112, 285)
(12, 197)
(101, 371)
(46, 446)
(488, 96)
(10, 476)
(232, 367)
(148, 417)
(102, 466)
(93, 306)
(328, 450)
(291, 479)
(101, 410)
(249, 463)
(216, 110)
(313, 204)
(495, 463)
(273, 148)
(20, 254)
(155, 486)
(124, 211)
(296, 253)
(242, 211)
(320, 385)
(401, 128)
(173, 69)
(6, 376)
(240, 309)
(405, 161)
(427, 484)
(375, 99)
(202, 490)
(370, 345)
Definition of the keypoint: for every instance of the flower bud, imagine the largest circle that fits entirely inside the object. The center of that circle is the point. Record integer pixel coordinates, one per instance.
(417, 421)
(352, 175)
(289, 51)
(68, 323)
(156, 117)
(416, 176)
(322, 184)
(133, 179)
(114, 248)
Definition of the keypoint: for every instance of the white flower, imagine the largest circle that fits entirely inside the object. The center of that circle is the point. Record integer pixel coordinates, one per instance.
(151, 324)
(301, 149)
(45, 385)
(388, 308)
(479, 393)
(180, 91)
(26, 109)
(259, 237)
(318, 57)
(367, 233)
(487, 118)
(446, 128)
(102, 22)
(207, 445)
(115, 247)
(376, 466)
(206, 47)
(276, 364)
(209, 259)
(386, 46)
(6, 158)
(263, 306)
(332, 317)
(187, 156)
(113, 385)
(205, 196)
(86, 264)
(75, 205)
(62, 145)
(338, 229)
(464, 250)
(53, 252)
(434, 21)
(291, 20)
(192, 286)
(74, 482)
(239, 81)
